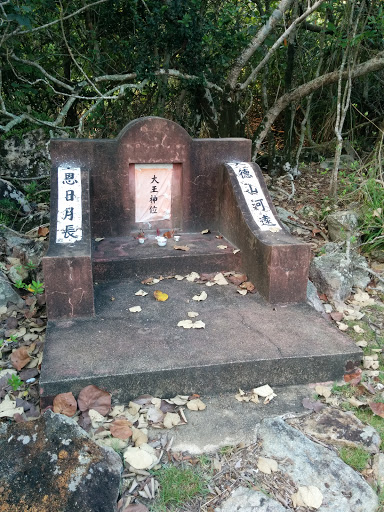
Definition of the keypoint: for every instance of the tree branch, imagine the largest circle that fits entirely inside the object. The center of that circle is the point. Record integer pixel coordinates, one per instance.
(257, 41)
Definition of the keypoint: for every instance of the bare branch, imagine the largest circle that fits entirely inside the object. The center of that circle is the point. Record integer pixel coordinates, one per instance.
(257, 41)
(279, 41)
(42, 70)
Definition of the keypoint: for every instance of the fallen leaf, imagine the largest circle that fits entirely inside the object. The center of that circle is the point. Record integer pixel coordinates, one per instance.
(178, 399)
(355, 402)
(192, 277)
(235, 251)
(8, 408)
(341, 326)
(20, 358)
(135, 309)
(203, 295)
(198, 325)
(363, 299)
(358, 329)
(171, 419)
(192, 314)
(99, 239)
(139, 458)
(377, 212)
(160, 296)
(141, 293)
(181, 248)
(205, 231)
(307, 496)
(323, 391)
(95, 417)
(42, 231)
(242, 292)
(361, 343)
(223, 247)
(179, 278)
(139, 437)
(155, 415)
(187, 324)
(116, 411)
(65, 403)
(237, 279)
(121, 429)
(220, 279)
(323, 297)
(353, 376)
(150, 281)
(267, 466)
(196, 405)
(263, 391)
(92, 397)
(250, 287)
(132, 507)
(273, 229)
(337, 316)
(313, 405)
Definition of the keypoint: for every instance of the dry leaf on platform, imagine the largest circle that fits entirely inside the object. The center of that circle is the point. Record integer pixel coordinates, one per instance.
(267, 466)
(141, 293)
(361, 343)
(205, 231)
(121, 429)
(8, 408)
(235, 251)
(362, 299)
(139, 458)
(150, 281)
(187, 324)
(323, 391)
(358, 329)
(179, 399)
(171, 419)
(20, 358)
(263, 391)
(222, 247)
(248, 286)
(155, 415)
(337, 316)
(196, 405)
(192, 276)
(135, 309)
(181, 248)
(342, 326)
(179, 278)
(220, 279)
(355, 402)
(99, 239)
(95, 417)
(307, 496)
(42, 231)
(65, 403)
(139, 437)
(242, 292)
(202, 296)
(160, 296)
(377, 408)
(198, 325)
(192, 314)
(92, 397)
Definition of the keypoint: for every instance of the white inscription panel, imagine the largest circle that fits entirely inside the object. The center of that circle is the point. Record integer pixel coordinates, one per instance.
(254, 197)
(153, 195)
(69, 216)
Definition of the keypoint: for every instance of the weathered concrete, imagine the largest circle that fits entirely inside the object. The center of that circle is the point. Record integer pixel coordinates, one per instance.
(51, 464)
(309, 464)
(246, 342)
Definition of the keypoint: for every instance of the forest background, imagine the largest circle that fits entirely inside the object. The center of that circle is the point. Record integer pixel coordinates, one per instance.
(302, 79)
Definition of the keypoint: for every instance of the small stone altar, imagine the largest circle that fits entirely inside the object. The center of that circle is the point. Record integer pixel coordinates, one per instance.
(155, 178)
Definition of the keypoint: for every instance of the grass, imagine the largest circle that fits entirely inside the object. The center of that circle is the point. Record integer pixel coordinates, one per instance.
(357, 458)
(177, 486)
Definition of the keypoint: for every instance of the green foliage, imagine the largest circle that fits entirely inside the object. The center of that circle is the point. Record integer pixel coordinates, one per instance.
(357, 458)
(36, 287)
(178, 485)
(15, 382)
(372, 212)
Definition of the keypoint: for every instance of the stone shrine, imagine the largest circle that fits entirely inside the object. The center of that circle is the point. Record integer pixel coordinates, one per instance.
(154, 178)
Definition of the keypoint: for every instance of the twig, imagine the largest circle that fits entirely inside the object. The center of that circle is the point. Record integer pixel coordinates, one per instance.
(370, 271)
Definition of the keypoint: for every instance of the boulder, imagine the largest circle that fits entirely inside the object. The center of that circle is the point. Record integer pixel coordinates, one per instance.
(313, 298)
(52, 464)
(335, 275)
(343, 225)
(21, 247)
(7, 293)
(26, 156)
(310, 464)
(339, 428)
(247, 500)
(15, 197)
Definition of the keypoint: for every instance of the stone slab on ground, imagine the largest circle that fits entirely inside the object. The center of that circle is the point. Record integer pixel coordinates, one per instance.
(246, 500)
(246, 342)
(51, 464)
(228, 422)
(7, 293)
(310, 464)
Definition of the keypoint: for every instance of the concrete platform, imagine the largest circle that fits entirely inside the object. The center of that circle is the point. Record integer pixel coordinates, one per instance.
(246, 342)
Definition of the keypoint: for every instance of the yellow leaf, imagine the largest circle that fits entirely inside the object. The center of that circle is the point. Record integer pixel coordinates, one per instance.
(160, 296)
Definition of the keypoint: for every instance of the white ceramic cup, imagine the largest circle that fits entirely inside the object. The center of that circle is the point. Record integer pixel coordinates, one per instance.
(161, 241)
(141, 240)
(176, 238)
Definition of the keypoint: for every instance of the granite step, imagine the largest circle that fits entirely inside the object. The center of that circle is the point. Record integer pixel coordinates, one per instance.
(125, 257)
(246, 342)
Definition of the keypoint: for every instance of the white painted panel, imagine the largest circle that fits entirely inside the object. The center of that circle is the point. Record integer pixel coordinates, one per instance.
(153, 192)
(69, 213)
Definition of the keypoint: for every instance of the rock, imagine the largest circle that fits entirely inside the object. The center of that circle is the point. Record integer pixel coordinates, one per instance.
(25, 157)
(378, 255)
(52, 464)
(339, 428)
(291, 221)
(335, 275)
(17, 273)
(345, 162)
(313, 298)
(310, 464)
(247, 500)
(342, 225)
(378, 468)
(7, 293)
(23, 248)
(16, 198)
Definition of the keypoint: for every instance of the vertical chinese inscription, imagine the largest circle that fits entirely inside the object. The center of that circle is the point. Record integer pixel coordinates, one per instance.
(254, 197)
(153, 192)
(69, 216)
